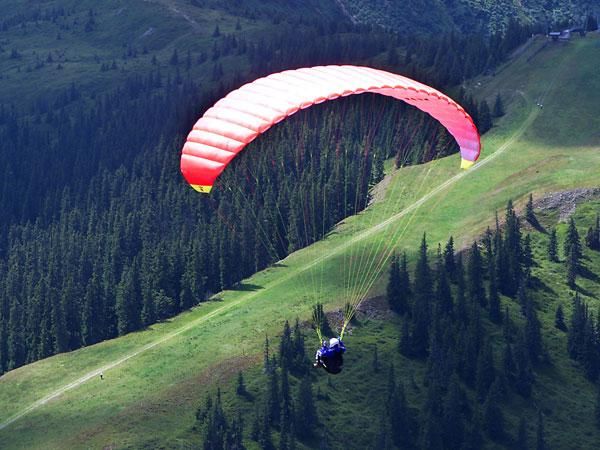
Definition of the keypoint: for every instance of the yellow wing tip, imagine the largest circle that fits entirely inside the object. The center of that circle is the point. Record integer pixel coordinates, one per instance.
(201, 189)
(465, 163)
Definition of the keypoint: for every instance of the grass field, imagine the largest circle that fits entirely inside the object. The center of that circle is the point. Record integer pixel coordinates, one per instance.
(150, 399)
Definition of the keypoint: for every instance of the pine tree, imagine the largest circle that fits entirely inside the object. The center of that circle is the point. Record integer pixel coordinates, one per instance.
(484, 122)
(287, 407)
(449, 259)
(421, 309)
(521, 442)
(592, 238)
(393, 287)
(401, 424)
(529, 213)
(495, 312)
(597, 407)
(241, 386)
(286, 347)
(524, 375)
(540, 442)
(475, 288)
(553, 246)
(174, 60)
(498, 107)
(375, 365)
(266, 357)
(127, 302)
(533, 334)
(576, 337)
(405, 346)
(235, 437)
(306, 413)
(443, 293)
(256, 424)
(527, 258)
(453, 429)
(405, 282)
(273, 399)
(572, 264)
(572, 241)
(559, 318)
(493, 418)
(265, 437)
(509, 263)
(508, 364)
(301, 362)
(398, 288)
(486, 373)
(474, 439)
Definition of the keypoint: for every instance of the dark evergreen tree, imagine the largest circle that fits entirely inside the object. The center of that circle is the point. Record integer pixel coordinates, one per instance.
(486, 373)
(493, 418)
(405, 346)
(473, 438)
(592, 238)
(559, 318)
(529, 213)
(572, 264)
(498, 106)
(266, 357)
(286, 349)
(475, 288)
(521, 441)
(576, 335)
(533, 333)
(421, 307)
(443, 294)
(591, 23)
(509, 368)
(484, 117)
(376, 366)
(449, 258)
(527, 258)
(495, 312)
(306, 413)
(241, 385)
(453, 427)
(524, 375)
(597, 407)
(540, 441)
(394, 294)
(273, 403)
(300, 359)
(572, 242)
(553, 246)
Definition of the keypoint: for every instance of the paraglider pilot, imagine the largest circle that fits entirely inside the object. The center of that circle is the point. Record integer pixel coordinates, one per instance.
(329, 356)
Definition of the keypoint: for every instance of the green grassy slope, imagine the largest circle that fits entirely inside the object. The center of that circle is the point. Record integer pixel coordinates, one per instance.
(150, 399)
(68, 41)
(464, 15)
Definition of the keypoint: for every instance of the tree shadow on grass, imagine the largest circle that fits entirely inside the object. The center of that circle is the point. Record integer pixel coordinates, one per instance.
(538, 285)
(588, 274)
(246, 287)
(585, 292)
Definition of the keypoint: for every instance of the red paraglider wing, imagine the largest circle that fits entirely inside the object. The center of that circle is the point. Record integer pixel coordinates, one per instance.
(238, 118)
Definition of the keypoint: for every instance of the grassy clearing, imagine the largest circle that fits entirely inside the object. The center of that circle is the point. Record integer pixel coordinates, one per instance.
(151, 399)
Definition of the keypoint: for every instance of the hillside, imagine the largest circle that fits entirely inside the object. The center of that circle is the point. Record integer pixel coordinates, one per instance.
(156, 379)
(464, 15)
(97, 45)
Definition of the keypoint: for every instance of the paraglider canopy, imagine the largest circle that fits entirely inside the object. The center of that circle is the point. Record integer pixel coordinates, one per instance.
(238, 118)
